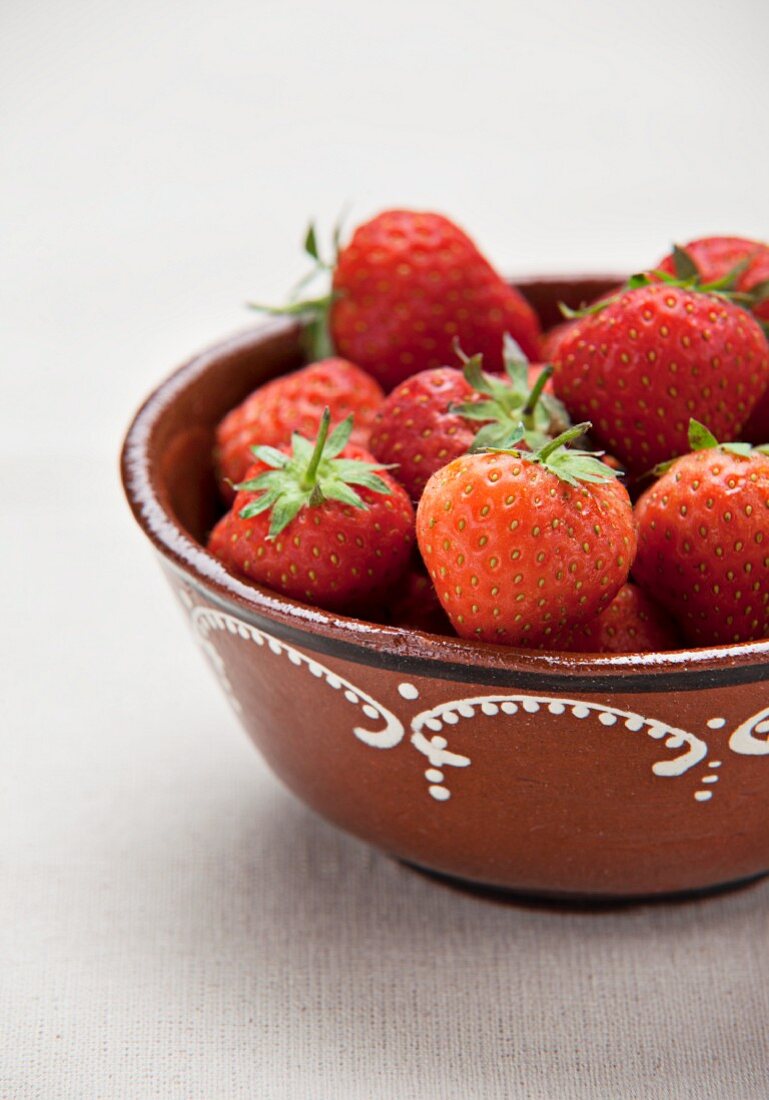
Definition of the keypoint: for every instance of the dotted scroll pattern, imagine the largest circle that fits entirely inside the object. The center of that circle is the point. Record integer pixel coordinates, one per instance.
(429, 727)
(207, 621)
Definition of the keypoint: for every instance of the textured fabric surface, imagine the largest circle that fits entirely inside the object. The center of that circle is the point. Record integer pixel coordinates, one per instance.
(284, 961)
(173, 925)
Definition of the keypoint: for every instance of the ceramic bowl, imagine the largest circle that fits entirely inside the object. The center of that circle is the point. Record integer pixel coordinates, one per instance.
(543, 773)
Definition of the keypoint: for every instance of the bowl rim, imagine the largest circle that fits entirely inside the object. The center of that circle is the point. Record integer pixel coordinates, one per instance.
(406, 651)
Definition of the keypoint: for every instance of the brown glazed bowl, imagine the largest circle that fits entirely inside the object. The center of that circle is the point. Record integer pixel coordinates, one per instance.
(543, 773)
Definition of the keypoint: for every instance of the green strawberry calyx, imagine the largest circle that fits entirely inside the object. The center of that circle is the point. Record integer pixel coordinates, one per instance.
(686, 270)
(510, 401)
(310, 475)
(702, 439)
(313, 311)
(569, 464)
(687, 277)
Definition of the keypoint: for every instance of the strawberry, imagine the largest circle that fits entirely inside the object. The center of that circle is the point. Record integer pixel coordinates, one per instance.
(322, 524)
(632, 623)
(522, 544)
(641, 364)
(712, 259)
(703, 541)
(742, 265)
(294, 402)
(551, 340)
(417, 428)
(417, 606)
(436, 415)
(405, 286)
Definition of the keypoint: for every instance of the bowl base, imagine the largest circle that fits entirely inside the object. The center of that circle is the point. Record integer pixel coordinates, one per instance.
(556, 900)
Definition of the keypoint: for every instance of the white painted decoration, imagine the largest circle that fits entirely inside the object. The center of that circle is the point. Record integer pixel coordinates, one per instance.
(429, 727)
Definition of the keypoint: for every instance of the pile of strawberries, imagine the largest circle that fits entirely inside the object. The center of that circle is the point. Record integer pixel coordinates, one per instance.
(429, 470)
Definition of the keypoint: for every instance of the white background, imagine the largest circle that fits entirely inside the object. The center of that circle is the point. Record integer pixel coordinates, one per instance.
(172, 924)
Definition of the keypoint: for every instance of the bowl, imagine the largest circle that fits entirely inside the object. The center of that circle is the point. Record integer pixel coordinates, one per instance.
(552, 774)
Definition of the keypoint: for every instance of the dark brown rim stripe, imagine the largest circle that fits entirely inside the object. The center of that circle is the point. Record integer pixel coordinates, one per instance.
(694, 678)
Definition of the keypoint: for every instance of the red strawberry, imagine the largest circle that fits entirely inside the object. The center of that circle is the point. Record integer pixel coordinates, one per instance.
(436, 415)
(416, 428)
(404, 289)
(294, 403)
(408, 284)
(632, 623)
(703, 541)
(744, 265)
(322, 524)
(418, 607)
(520, 545)
(551, 340)
(711, 259)
(642, 364)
